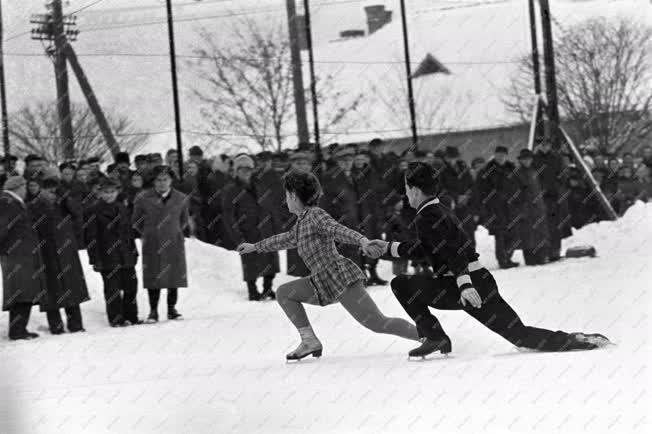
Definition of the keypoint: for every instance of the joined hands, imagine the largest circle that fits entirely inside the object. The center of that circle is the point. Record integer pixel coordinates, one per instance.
(375, 248)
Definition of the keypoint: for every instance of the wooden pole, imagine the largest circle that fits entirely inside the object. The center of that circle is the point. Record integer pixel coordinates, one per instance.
(313, 80)
(175, 89)
(551, 78)
(61, 76)
(297, 74)
(3, 97)
(408, 73)
(539, 127)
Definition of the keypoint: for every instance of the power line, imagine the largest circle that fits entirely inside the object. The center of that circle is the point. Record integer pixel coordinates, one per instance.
(195, 56)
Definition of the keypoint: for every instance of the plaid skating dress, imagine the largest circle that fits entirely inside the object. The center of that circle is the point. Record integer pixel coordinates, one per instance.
(314, 235)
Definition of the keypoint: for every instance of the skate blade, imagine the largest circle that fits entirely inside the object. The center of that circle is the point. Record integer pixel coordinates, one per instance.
(315, 354)
(430, 357)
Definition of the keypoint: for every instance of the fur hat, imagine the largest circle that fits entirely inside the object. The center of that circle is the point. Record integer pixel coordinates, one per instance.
(525, 153)
(343, 152)
(243, 160)
(501, 149)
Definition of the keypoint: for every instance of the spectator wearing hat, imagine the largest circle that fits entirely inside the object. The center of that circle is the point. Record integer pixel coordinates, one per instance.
(34, 165)
(248, 221)
(112, 252)
(58, 224)
(160, 217)
(219, 178)
(140, 161)
(190, 187)
(551, 170)
(530, 223)
(457, 184)
(9, 162)
(122, 159)
(172, 160)
(495, 186)
(23, 281)
(341, 200)
(584, 205)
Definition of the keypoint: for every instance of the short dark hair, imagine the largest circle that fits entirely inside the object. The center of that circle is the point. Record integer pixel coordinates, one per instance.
(305, 185)
(422, 176)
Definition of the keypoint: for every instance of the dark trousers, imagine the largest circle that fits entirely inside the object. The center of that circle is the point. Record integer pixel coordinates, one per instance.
(554, 247)
(504, 247)
(268, 281)
(18, 319)
(120, 288)
(73, 319)
(416, 293)
(155, 295)
(534, 257)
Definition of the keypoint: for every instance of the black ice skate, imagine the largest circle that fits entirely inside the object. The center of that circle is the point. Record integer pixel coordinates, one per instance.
(596, 339)
(430, 346)
(152, 318)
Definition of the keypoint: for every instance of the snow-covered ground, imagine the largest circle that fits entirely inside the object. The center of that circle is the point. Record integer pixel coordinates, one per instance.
(222, 370)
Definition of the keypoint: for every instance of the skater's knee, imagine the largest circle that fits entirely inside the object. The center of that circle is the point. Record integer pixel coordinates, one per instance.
(398, 283)
(283, 292)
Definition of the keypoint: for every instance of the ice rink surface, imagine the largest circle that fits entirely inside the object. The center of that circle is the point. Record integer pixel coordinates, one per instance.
(222, 369)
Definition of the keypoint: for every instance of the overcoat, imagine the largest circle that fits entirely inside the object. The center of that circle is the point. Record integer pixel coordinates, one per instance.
(161, 222)
(111, 244)
(531, 228)
(55, 225)
(248, 221)
(23, 277)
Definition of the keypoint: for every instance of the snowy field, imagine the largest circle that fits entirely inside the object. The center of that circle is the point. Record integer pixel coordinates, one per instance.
(222, 370)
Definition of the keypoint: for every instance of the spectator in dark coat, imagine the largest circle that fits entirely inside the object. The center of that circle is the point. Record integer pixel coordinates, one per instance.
(531, 230)
(340, 199)
(55, 223)
(629, 188)
(583, 203)
(112, 252)
(219, 178)
(551, 169)
(23, 280)
(457, 183)
(271, 191)
(300, 163)
(366, 182)
(160, 217)
(190, 187)
(495, 185)
(248, 222)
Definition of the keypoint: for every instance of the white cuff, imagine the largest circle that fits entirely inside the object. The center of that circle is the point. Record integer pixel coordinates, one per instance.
(393, 249)
(463, 279)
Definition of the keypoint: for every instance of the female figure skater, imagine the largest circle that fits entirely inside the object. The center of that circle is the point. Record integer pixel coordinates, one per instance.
(333, 278)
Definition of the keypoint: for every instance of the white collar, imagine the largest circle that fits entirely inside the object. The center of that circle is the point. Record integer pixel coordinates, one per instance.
(15, 196)
(430, 202)
(166, 194)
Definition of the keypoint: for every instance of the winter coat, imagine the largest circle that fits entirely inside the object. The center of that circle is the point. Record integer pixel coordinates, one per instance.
(248, 221)
(366, 182)
(314, 236)
(551, 171)
(161, 223)
(457, 184)
(529, 229)
(272, 197)
(111, 244)
(216, 232)
(495, 185)
(23, 277)
(55, 225)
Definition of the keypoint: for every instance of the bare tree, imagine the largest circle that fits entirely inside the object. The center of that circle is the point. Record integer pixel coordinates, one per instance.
(436, 109)
(245, 85)
(35, 130)
(604, 81)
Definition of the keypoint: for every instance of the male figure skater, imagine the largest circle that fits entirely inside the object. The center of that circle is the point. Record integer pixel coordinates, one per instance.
(460, 281)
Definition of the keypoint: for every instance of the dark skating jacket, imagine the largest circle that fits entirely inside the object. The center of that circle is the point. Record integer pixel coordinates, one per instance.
(441, 240)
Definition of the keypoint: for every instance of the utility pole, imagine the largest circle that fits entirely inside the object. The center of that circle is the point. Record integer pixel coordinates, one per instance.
(539, 131)
(408, 72)
(3, 96)
(313, 80)
(61, 75)
(175, 90)
(551, 79)
(297, 74)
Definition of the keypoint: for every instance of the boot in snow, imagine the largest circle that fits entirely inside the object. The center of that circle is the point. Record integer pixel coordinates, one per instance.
(429, 346)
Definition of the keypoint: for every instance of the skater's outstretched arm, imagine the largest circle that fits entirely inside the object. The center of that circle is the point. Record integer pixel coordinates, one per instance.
(286, 240)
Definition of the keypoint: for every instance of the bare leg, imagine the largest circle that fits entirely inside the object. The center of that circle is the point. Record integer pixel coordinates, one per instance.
(363, 309)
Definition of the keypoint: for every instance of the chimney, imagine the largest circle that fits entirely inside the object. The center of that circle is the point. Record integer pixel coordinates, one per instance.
(377, 17)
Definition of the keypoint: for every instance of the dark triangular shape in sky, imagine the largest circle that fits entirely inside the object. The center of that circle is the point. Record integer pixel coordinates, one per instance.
(430, 65)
